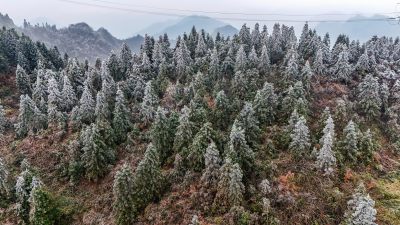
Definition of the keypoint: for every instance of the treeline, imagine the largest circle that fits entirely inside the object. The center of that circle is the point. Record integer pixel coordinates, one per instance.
(20, 49)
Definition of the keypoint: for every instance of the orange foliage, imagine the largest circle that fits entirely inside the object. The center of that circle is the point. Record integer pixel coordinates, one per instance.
(348, 176)
(286, 182)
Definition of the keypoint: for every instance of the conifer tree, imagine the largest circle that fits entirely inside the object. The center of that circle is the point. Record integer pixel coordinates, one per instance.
(363, 63)
(184, 131)
(350, 142)
(126, 60)
(149, 104)
(361, 209)
(300, 138)
(369, 96)
(97, 156)
(253, 59)
(367, 146)
(342, 69)
(318, 64)
(248, 121)
(29, 117)
(238, 149)
(147, 178)
(121, 122)
(3, 121)
(241, 60)
(54, 98)
(23, 189)
(201, 48)
(292, 67)
(264, 64)
(265, 103)
(87, 106)
(42, 209)
(212, 161)
(326, 159)
(124, 206)
(163, 133)
(222, 110)
(198, 148)
(305, 75)
(68, 95)
(102, 112)
(40, 90)
(23, 81)
(230, 186)
(214, 69)
(4, 180)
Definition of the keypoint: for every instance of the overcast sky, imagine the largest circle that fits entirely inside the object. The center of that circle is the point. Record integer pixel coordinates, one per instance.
(124, 22)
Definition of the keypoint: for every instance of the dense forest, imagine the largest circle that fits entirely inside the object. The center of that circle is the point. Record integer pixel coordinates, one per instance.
(257, 128)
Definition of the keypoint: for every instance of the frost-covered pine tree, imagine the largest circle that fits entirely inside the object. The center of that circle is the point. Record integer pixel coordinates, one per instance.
(253, 60)
(306, 74)
(121, 122)
(367, 146)
(68, 95)
(4, 180)
(39, 95)
(3, 120)
(212, 161)
(363, 65)
(87, 106)
(292, 67)
(329, 128)
(184, 131)
(293, 119)
(230, 187)
(23, 189)
(97, 156)
(326, 160)
(222, 111)
(214, 68)
(23, 81)
(318, 64)
(265, 103)
(149, 104)
(29, 117)
(162, 133)
(147, 178)
(124, 206)
(350, 142)
(42, 208)
(54, 114)
(238, 149)
(300, 138)
(369, 96)
(201, 48)
(265, 63)
(102, 109)
(241, 60)
(248, 120)
(126, 60)
(342, 69)
(199, 146)
(360, 208)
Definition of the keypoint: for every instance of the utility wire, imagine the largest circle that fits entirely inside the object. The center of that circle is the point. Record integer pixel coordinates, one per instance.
(225, 18)
(236, 13)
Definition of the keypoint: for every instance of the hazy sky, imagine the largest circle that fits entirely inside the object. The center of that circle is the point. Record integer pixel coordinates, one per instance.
(124, 22)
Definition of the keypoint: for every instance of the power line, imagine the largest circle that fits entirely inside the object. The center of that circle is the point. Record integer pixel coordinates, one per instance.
(224, 18)
(236, 13)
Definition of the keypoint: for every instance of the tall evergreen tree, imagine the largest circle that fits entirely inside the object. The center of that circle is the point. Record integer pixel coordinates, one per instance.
(124, 206)
(241, 60)
(369, 96)
(23, 81)
(68, 95)
(230, 186)
(199, 146)
(265, 103)
(212, 161)
(361, 209)
(147, 178)
(97, 156)
(121, 122)
(4, 180)
(349, 145)
(149, 104)
(184, 131)
(300, 138)
(326, 159)
(247, 120)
